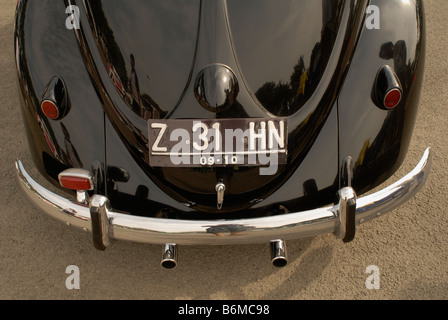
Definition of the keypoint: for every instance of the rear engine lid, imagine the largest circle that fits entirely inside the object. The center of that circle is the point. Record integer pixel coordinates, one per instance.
(189, 78)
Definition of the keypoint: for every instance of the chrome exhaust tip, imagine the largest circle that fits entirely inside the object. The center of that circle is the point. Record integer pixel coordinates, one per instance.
(169, 256)
(278, 253)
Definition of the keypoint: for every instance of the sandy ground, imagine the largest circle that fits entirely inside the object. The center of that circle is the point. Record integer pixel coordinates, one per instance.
(409, 246)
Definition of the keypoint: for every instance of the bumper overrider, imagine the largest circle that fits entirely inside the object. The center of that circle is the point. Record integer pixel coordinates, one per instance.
(96, 215)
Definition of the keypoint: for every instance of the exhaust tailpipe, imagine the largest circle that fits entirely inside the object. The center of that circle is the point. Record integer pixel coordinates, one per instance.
(169, 256)
(278, 253)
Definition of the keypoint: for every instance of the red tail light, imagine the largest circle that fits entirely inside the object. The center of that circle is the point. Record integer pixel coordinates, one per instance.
(50, 109)
(74, 183)
(55, 103)
(387, 91)
(392, 99)
(76, 179)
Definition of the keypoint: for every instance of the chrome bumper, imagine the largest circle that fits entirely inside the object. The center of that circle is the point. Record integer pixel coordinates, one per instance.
(99, 218)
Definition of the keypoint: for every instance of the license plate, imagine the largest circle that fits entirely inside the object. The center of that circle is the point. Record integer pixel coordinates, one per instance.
(217, 142)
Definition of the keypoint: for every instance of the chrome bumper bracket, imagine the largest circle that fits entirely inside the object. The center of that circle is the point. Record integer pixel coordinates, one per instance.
(99, 216)
(346, 228)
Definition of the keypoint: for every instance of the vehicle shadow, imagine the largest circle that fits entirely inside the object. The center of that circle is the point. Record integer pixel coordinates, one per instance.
(204, 273)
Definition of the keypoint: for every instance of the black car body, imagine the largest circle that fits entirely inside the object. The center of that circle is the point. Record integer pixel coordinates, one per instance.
(220, 122)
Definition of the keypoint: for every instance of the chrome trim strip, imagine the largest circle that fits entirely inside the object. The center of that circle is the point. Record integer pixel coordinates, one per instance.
(224, 232)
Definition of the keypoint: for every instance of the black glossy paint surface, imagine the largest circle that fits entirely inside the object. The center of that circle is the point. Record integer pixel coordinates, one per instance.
(217, 35)
(378, 139)
(45, 49)
(313, 62)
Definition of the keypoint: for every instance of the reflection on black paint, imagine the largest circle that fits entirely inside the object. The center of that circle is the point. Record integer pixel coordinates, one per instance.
(163, 75)
(157, 38)
(135, 89)
(72, 156)
(287, 95)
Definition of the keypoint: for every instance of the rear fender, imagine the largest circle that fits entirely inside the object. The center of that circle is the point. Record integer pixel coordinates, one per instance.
(377, 139)
(46, 48)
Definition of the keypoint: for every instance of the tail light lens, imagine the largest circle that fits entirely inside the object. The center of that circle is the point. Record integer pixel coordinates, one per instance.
(393, 98)
(76, 179)
(50, 109)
